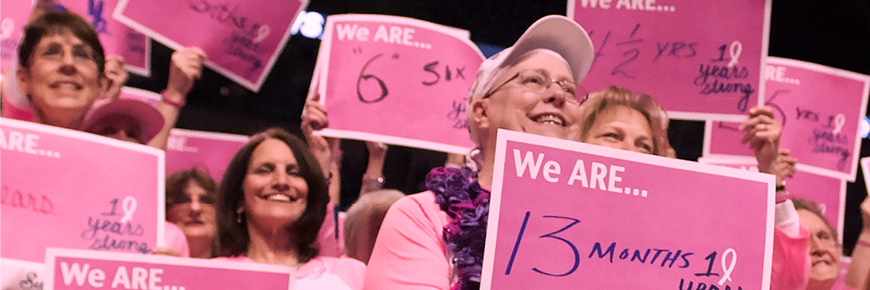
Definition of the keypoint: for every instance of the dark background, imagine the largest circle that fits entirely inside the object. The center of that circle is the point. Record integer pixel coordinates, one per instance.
(833, 33)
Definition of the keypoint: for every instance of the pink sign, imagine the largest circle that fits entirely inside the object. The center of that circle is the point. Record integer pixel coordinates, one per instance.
(241, 37)
(822, 134)
(13, 18)
(116, 37)
(829, 193)
(70, 189)
(397, 80)
(207, 151)
(701, 60)
(78, 269)
(576, 216)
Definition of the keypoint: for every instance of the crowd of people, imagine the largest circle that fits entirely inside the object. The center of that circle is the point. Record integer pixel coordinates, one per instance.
(275, 203)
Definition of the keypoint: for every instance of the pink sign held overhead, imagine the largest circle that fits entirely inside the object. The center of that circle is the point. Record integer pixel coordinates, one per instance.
(396, 80)
(242, 38)
(79, 269)
(666, 49)
(70, 189)
(829, 193)
(823, 134)
(207, 151)
(576, 216)
(116, 37)
(13, 18)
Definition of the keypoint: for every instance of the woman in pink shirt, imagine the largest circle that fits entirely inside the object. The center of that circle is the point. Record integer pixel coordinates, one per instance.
(272, 204)
(530, 87)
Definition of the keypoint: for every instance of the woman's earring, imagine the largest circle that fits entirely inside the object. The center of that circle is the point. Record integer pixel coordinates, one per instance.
(239, 213)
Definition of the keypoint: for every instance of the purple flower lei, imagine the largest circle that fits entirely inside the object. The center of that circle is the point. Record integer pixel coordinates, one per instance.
(460, 196)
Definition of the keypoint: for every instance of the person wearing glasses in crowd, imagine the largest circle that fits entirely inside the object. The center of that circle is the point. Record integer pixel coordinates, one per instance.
(531, 87)
(191, 195)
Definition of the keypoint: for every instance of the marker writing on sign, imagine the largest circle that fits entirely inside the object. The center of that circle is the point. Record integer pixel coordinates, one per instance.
(8, 44)
(632, 5)
(457, 114)
(692, 285)
(136, 42)
(223, 14)
(246, 50)
(669, 257)
(95, 10)
(136, 278)
(826, 136)
(367, 98)
(552, 235)
(728, 78)
(107, 234)
(12, 140)
(566, 251)
(14, 198)
(825, 141)
(30, 282)
(595, 176)
(630, 49)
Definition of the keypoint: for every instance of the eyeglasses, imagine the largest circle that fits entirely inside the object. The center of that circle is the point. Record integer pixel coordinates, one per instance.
(539, 82)
(56, 52)
(185, 200)
(824, 238)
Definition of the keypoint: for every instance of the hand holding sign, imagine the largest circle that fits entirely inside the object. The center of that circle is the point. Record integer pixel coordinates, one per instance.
(116, 74)
(762, 134)
(315, 118)
(184, 68)
(783, 167)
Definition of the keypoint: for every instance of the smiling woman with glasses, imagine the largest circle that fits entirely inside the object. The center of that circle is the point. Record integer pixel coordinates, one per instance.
(427, 242)
(60, 70)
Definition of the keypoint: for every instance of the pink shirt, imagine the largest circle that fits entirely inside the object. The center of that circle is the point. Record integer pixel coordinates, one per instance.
(410, 252)
(329, 238)
(323, 273)
(791, 264)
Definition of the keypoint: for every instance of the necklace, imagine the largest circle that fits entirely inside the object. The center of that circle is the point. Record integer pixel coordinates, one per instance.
(458, 194)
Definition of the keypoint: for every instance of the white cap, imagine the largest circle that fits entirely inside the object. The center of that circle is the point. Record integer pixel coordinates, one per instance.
(554, 32)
